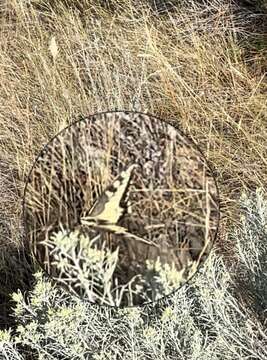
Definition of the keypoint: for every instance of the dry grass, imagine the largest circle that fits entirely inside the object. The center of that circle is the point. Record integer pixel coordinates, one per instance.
(202, 66)
(203, 320)
(192, 68)
(170, 195)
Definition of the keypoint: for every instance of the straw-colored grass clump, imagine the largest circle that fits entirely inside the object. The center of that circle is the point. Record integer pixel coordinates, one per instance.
(201, 65)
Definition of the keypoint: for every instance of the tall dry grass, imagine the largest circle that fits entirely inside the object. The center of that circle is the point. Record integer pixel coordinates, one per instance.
(203, 66)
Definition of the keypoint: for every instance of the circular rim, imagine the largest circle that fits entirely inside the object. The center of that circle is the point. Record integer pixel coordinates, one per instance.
(191, 142)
